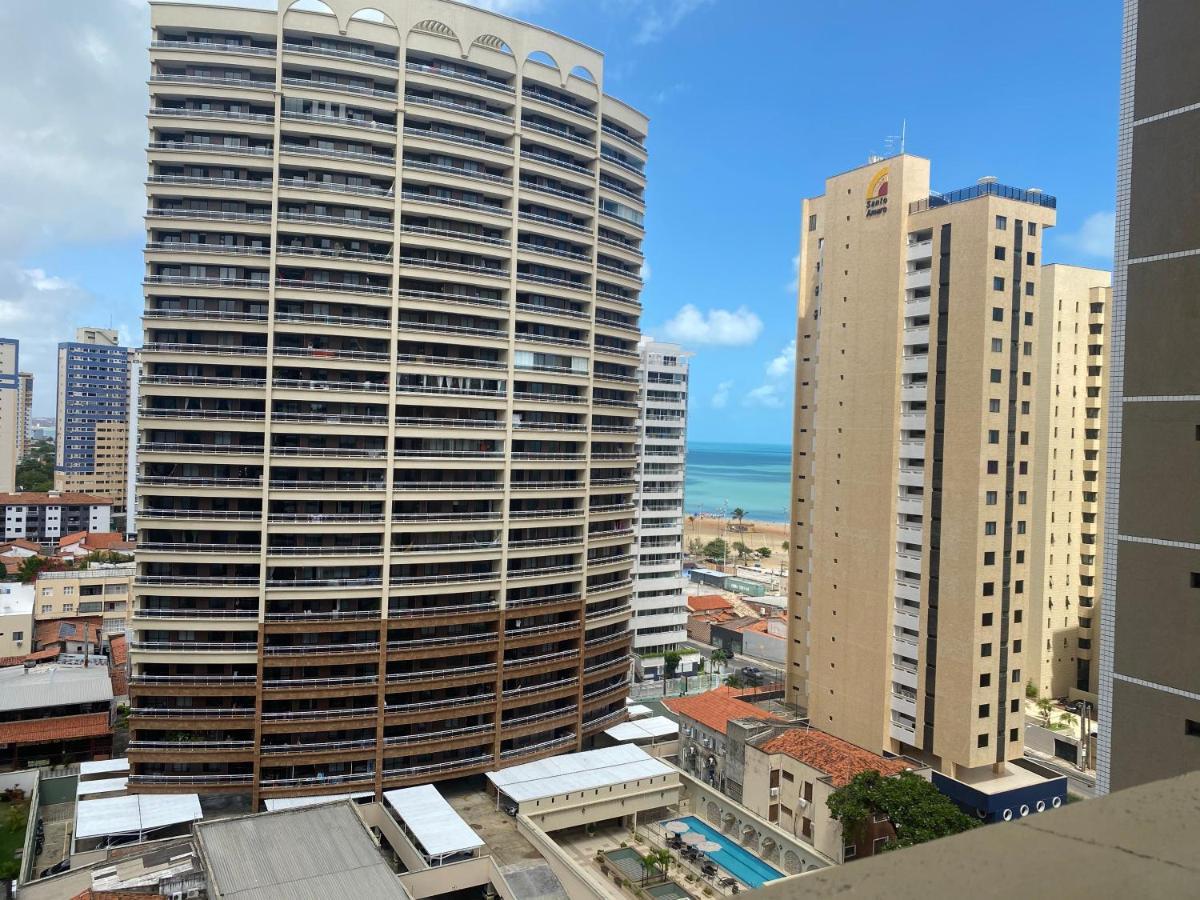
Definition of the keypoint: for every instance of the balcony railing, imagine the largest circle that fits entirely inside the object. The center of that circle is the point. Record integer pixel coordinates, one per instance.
(212, 47)
(346, 121)
(314, 84)
(464, 108)
(355, 56)
(537, 748)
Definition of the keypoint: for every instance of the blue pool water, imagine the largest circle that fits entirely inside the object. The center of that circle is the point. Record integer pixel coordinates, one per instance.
(741, 864)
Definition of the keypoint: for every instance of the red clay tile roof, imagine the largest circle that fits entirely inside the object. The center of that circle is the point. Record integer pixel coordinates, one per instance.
(838, 759)
(708, 603)
(61, 498)
(57, 631)
(48, 653)
(715, 708)
(118, 650)
(62, 728)
(23, 544)
(74, 538)
(12, 564)
(104, 540)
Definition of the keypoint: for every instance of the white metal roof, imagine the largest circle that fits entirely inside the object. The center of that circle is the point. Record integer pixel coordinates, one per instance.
(637, 711)
(134, 814)
(53, 685)
(432, 821)
(277, 803)
(101, 786)
(577, 772)
(657, 727)
(96, 767)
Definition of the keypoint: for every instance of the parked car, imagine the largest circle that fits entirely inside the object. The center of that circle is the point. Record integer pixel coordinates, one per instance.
(61, 866)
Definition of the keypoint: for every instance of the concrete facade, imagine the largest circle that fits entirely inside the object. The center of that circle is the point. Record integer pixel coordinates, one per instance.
(1150, 613)
(659, 606)
(1067, 522)
(44, 517)
(99, 590)
(388, 416)
(913, 452)
(10, 413)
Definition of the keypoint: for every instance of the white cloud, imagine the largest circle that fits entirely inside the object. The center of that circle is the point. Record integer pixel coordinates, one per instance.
(720, 397)
(794, 285)
(1094, 237)
(39, 310)
(660, 16)
(717, 327)
(645, 271)
(783, 362)
(768, 394)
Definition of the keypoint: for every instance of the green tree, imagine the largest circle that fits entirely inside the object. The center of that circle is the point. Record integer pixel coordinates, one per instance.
(696, 547)
(716, 549)
(742, 551)
(739, 514)
(671, 663)
(718, 657)
(1031, 691)
(1045, 706)
(764, 552)
(915, 808)
(36, 471)
(30, 567)
(785, 546)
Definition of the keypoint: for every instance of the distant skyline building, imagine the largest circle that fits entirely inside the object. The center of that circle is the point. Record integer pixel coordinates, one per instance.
(92, 434)
(11, 407)
(1067, 517)
(913, 454)
(660, 609)
(1150, 612)
(24, 413)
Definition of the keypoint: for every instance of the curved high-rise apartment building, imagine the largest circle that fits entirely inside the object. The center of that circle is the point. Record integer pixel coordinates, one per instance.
(389, 399)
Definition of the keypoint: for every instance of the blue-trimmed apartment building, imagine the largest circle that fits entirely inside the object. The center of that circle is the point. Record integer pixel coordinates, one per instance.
(93, 387)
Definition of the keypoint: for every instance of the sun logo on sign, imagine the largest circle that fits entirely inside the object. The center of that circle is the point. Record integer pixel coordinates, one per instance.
(877, 193)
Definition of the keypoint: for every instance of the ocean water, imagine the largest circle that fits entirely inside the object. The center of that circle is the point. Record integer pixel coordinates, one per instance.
(756, 477)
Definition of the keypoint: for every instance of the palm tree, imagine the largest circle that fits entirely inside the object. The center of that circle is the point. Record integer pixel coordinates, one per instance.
(649, 864)
(739, 514)
(718, 657)
(1045, 705)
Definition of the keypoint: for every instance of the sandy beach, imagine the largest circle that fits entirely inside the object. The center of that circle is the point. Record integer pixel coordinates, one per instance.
(752, 534)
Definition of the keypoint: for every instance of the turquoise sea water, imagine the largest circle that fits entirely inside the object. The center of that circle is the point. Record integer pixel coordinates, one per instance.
(756, 477)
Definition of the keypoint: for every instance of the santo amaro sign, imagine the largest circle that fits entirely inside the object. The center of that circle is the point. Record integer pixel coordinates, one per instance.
(877, 193)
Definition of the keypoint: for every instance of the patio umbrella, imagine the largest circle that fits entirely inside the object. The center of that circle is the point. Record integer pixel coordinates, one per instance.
(708, 846)
(693, 837)
(676, 827)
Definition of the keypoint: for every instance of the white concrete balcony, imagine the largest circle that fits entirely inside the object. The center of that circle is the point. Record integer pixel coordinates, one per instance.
(904, 703)
(914, 393)
(920, 278)
(903, 732)
(904, 673)
(912, 450)
(914, 364)
(910, 534)
(908, 562)
(906, 617)
(914, 307)
(913, 506)
(919, 250)
(908, 590)
(915, 335)
(911, 477)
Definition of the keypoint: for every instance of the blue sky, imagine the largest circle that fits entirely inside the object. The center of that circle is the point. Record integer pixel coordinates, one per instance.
(752, 105)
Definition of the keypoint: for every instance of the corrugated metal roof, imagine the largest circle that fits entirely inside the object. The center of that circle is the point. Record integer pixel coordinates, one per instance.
(101, 786)
(98, 766)
(577, 772)
(659, 726)
(134, 814)
(433, 821)
(313, 853)
(49, 686)
(278, 803)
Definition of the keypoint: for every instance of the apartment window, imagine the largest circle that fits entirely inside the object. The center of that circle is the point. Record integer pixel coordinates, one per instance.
(1014, 734)
(985, 650)
(995, 376)
(808, 792)
(1032, 228)
(989, 558)
(986, 620)
(1026, 379)
(1018, 616)
(1014, 705)
(1028, 318)
(994, 405)
(997, 283)
(18, 635)
(981, 741)
(997, 345)
(849, 851)
(1029, 258)
(1016, 676)
(985, 680)
(878, 845)
(68, 607)
(1022, 497)
(1002, 223)
(788, 776)
(993, 467)
(1021, 527)
(49, 592)
(68, 591)
(985, 710)
(47, 607)
(1022, 468)
(1029, 289)
(997, 313)
(1191, 728)
(993, 436)
(1016, 646)
(812, 223)
(989, 528)
(989, 589)
(1195, 580)
(999, 252)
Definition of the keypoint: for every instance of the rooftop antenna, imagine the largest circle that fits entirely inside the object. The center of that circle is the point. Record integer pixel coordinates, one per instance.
(889, 142)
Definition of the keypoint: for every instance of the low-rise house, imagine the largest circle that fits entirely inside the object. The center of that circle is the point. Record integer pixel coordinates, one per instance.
(16, 619)
(789, 775)
(703, 721)
(73, 637)
(82, 544)
(765, 639)
(99, 590)
(727, 635)
(54, 714)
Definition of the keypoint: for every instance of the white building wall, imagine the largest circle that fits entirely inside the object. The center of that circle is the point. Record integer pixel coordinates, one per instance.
(659, 605)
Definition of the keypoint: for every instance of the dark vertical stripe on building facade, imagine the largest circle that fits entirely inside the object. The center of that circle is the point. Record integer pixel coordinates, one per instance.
(1010, 453)
(935, 486)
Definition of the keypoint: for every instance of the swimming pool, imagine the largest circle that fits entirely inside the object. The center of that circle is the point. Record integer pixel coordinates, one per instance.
(737, 861)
